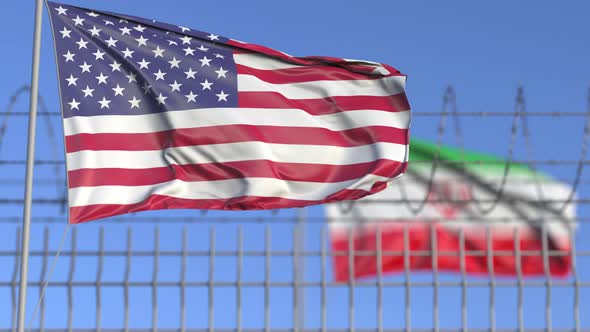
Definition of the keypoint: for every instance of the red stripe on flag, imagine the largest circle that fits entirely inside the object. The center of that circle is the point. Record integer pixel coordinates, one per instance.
(303, 74)
(448, 252)
(328, 105)
(233, 134)
(79, 214)
(231, 170)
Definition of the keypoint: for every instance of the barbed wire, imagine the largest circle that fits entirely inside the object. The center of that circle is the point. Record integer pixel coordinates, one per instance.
(520, 112)
(60, 189)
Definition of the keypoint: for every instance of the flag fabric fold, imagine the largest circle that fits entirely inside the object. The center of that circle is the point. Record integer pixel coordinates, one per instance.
(460, 228)
(159, 116)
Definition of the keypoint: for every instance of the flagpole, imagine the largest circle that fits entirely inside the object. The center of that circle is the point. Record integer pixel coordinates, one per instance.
(24, 261)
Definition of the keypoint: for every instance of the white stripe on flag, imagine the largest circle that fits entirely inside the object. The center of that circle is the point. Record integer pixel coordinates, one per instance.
(321, 89)
(287, 153)
(206, 117)
(220, 189)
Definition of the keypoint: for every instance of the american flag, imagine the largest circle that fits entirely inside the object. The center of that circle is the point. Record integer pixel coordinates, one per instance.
(159, 116)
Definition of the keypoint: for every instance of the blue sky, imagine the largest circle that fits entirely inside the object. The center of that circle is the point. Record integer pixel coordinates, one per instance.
(484, 49)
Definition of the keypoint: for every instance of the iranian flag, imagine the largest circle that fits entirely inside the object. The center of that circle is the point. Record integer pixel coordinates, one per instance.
(468, 217)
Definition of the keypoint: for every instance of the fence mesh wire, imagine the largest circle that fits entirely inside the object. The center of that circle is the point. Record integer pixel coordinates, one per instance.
(273, 270)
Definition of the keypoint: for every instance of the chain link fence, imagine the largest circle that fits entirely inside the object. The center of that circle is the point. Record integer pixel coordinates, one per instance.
(273, 270)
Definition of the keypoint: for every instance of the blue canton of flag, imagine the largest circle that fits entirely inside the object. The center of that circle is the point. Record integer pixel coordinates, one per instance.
(108, 65)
